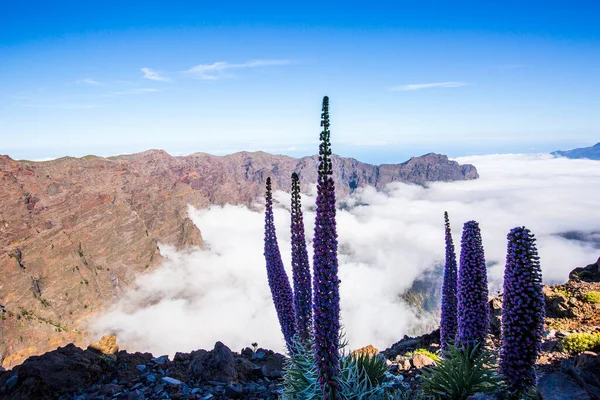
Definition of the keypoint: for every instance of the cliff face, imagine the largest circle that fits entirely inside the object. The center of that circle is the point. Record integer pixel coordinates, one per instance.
(75, 232)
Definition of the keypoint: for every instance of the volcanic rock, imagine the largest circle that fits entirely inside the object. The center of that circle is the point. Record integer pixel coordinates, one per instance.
(558, 386)
(408, 344)
(589, 273)
(216, 365)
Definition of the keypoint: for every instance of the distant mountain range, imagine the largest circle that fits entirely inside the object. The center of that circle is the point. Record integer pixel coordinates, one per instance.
(75, 232)
(592, 153)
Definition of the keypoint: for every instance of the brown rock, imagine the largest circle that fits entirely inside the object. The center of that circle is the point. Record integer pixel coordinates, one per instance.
(106, 345)
(405, 365)
(421, 360)
(557, 305)
(367, 350)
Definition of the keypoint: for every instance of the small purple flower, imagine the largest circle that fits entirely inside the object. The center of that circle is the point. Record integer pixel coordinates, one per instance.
(523, 311)
(300, 267)
(473, 313)
(448, 322)
(281, 291)
(326, 284)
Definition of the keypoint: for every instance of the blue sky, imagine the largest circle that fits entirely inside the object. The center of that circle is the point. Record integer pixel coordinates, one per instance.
(108, 77)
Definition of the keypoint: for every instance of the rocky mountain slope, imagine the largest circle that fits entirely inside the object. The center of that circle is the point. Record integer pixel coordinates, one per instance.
(75, 232)
(592, 153)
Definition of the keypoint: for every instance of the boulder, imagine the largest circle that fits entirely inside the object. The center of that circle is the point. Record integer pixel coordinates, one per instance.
(215, 365)
(587, 365)
(421, 360)
(558, 386)
(106, 345)
(271, 364)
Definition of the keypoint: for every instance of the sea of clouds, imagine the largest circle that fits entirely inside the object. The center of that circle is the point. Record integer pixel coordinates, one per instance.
(386, 240)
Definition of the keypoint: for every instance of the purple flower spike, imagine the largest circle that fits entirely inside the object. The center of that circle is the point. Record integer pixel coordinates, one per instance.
(326, 284)
(473, 314)
(281, 290)
(448, 322)
(523, 311)
(300, 267)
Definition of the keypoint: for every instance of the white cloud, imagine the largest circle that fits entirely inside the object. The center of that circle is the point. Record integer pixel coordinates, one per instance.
(145, 90)
(420, 86)
(132, 91)
(386, 240)
(217, 70)
(90, 82)
(151, 74)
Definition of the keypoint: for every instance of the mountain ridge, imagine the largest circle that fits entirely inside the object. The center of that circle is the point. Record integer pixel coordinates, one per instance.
(590, 153)
(76, 232)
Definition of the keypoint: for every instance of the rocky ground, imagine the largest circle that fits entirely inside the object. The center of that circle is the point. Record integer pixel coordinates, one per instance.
(103, 372)
(73, 373)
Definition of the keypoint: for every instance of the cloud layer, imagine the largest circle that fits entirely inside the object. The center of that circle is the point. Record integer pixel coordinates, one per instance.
(386, 240)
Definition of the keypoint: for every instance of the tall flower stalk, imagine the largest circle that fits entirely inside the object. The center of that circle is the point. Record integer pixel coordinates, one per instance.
(300, 267)
(326, 284)
(279, 283)
(523, 311)
(473, 314)
(448, 322)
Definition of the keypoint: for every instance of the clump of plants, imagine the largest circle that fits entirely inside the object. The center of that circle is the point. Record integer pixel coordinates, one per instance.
(361, 376)
(310, 315)
(467, 366)
(592, 297)
(464, 371)
(579, 342)
(281, 291)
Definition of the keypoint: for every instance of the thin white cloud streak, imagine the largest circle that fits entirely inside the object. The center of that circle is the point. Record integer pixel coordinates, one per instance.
(90, 82)
(151, 74)
(61, 106)
(132, 91)
(420, 86)
(386, 240)
(218, 69)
